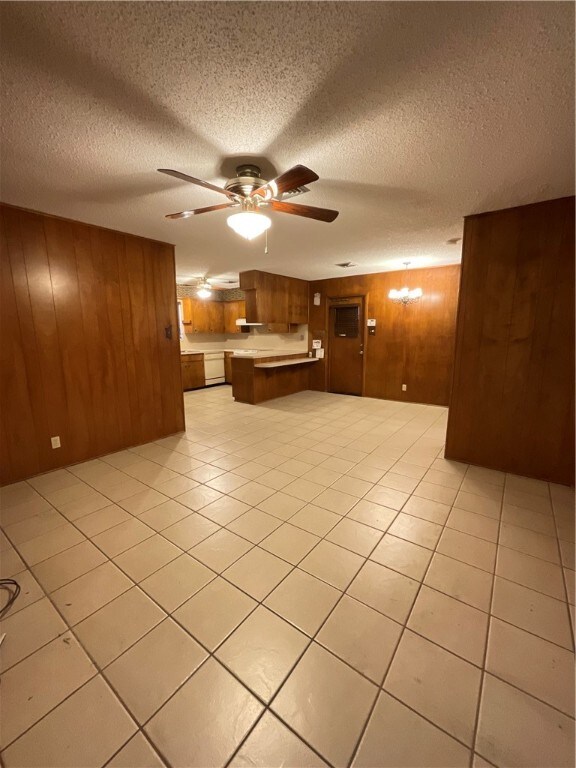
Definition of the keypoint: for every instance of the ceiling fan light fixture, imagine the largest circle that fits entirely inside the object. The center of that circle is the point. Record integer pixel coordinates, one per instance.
(249, 224)
(204, 290)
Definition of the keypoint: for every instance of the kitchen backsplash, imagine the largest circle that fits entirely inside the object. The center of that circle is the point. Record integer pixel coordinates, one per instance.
(256, 339)
(230, 294)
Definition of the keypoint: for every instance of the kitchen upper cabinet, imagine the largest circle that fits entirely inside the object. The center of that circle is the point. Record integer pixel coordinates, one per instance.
(187, 311)
(200, 316)
(274, 299)
(233, 310)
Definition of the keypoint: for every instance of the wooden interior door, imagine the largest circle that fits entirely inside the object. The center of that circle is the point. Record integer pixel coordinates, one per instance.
(346, 346)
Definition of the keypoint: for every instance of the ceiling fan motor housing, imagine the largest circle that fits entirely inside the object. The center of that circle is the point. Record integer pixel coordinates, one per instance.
(246, 181)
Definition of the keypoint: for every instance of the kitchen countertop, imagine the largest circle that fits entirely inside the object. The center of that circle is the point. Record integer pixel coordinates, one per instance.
(251, 356)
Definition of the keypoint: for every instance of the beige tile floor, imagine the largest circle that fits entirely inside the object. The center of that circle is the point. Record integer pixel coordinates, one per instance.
(304, 583)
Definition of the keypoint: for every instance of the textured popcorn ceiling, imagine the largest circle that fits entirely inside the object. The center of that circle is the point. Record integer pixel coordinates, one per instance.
(413, 114)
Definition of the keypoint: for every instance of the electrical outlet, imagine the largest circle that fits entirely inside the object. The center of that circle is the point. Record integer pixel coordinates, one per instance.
(55, 441)
(404, 387)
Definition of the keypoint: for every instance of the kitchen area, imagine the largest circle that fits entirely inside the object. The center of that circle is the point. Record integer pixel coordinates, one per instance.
(254, 338)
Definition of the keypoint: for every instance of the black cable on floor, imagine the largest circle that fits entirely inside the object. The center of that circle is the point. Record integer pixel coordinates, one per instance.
(13, 589)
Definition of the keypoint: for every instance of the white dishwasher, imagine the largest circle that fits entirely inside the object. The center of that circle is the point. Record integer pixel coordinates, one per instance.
(213, 368)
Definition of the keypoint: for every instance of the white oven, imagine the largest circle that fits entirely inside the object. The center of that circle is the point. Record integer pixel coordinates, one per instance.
(213, 368)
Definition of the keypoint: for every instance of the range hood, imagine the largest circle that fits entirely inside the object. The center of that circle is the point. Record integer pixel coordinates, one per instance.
(242, 321)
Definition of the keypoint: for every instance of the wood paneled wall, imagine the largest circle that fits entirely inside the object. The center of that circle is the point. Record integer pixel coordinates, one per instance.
(512, 404)
(413, 345)
(84, 353)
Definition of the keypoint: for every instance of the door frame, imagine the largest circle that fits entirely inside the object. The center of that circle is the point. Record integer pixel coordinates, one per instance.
(335, 301)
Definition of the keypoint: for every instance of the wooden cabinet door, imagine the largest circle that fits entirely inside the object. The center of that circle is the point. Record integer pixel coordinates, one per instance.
(216, 316)
(187, 313)
(233, 310)
(228, 367)
(193, 371)
(201, 317)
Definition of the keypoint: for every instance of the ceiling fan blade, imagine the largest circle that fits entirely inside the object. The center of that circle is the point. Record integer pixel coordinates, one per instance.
(297, 176)
(308, 211)
(196, 211)
(198, 182)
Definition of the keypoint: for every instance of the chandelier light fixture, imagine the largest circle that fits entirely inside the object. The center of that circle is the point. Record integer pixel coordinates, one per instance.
(249, 224)
(405, 295)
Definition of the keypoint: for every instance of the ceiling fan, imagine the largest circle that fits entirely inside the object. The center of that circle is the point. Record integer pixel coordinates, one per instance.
(253, 194)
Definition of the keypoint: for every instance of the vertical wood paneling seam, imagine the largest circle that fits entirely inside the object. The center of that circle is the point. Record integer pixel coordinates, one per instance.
(131, 332)
(34, 421)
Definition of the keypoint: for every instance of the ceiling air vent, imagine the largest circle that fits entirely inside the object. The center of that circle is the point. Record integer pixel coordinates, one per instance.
(346, 264)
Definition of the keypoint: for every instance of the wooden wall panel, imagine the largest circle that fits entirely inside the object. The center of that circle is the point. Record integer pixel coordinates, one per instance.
(84, 352)
(512, 404)
(413, 344)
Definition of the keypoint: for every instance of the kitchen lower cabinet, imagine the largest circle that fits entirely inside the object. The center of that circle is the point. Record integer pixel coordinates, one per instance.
(228, 367)
(193, 371)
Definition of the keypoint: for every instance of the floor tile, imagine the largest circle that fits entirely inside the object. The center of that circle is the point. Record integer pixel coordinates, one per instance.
(402, 556)
(398, 482)
(450, 623)
(435, 492)
(227, 482)
(418, 676)
(303, 490)
(537, 613)
(118, 625)
(30, 592)
(303, 600)
(148, 556)
(36, 525)
(387, 497)
(68, 565)
(397, 737)
(116, 540)
(479, 504)
(262, 651)
(447, 479)
(164, 515)
(536, 666)
(526, 518)
(333, 564)
(517, 730)
(468, 549)
(177, 486)
(254, 525)
(198, 497)
(289, 543)
(224, 510)
(473, 524)
(27, 630)
(190, 531)
(271, 744)
(102, 520)
(416, 530)
(86, 594)
(362, 637)
(530, 571)
(282, 505)
(385, 590)
(222, 711)
(144, 500)
(220, 550)
(257, 573)
(86, 729)
(372, 514)
(322, 476)
(315, 520)
(355, 536)
(40, 682)
(464, 582)
(327, 703)
(168, 654)
(138, 753)
(49, 544)
(214, 612)
(529, 542)
(11, 563)
(252, 493)
(177, 581)
(427, 509)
